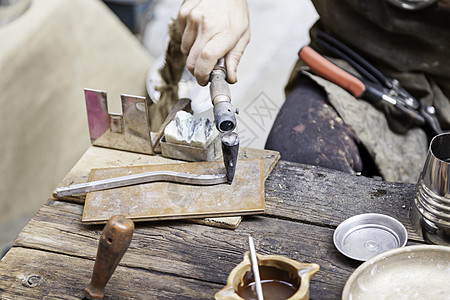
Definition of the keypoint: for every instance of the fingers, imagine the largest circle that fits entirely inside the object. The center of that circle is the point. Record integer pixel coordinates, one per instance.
(212, 29)
(234, 56)
(205, 54)
(189, 20)
(184, 13)
(188, 37)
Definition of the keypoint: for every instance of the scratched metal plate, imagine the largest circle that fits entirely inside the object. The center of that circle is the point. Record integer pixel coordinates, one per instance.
(129, 131)
(165, 201)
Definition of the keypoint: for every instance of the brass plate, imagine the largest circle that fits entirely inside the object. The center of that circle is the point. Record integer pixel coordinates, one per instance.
(165, 200)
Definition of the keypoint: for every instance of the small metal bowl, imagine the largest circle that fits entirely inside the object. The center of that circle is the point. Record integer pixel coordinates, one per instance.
(361, 237)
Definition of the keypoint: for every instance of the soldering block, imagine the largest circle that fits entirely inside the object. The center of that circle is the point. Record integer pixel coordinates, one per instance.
(185, 130)
(191, 140)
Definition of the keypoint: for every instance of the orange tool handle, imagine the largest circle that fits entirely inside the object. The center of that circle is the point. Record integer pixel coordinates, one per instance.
(323, 67)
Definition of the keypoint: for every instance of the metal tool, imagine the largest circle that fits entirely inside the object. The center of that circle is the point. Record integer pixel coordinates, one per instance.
(224, 114)
(255, 268)
(129, 131)
(224, 117)
(113, 243)
(374, 87)
(230, 149)
(430, 208)
(134, 179)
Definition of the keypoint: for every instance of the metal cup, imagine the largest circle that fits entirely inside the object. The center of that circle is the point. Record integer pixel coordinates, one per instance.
(430, 211)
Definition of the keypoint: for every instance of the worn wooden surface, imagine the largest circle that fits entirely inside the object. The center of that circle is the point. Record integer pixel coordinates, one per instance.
(54, 255)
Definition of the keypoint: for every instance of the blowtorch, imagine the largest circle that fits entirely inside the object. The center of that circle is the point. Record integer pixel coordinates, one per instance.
(224, 117)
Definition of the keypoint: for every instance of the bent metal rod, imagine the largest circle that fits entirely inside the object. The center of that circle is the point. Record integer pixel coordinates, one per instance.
(146, 177)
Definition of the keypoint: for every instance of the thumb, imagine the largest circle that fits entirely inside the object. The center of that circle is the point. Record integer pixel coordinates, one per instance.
(233, 58)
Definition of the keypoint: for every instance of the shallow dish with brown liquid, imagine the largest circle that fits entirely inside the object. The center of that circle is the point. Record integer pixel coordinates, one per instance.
(281, 278)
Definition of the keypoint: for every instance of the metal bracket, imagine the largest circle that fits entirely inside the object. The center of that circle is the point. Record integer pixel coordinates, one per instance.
(128, 131)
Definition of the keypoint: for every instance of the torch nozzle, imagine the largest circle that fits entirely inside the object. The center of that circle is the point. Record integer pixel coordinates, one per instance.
(224, 114)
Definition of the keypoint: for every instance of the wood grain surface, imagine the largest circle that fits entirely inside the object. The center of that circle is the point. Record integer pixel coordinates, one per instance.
(328, 197)
(179, 260)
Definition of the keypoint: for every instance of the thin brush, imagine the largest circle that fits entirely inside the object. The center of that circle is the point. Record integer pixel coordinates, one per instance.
(255, 268)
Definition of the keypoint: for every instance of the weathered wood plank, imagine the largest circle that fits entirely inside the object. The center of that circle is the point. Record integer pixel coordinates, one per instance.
(34, 274)
(327, 197)
(303, 206)
(195, 251)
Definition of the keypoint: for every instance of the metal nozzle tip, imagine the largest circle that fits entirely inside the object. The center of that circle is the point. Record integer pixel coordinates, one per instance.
(224, 116)
(226, 126)
(230, 148)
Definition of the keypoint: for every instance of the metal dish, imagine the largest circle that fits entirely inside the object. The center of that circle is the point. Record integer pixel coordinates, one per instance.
(412, 272)
(363, 236)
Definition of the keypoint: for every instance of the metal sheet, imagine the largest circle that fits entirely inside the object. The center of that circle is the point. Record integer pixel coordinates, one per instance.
(128, 131)
(164, 200)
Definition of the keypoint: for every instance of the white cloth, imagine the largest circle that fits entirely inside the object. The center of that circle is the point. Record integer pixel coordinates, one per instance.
(47, 57)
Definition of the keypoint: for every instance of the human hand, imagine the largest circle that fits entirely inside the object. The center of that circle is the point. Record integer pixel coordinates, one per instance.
(212, 29)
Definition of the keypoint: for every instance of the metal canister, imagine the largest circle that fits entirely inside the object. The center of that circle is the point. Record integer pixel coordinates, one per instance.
(430, 210)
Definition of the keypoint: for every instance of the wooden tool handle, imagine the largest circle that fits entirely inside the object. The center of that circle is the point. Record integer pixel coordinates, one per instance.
(113, 244)
(323, 67)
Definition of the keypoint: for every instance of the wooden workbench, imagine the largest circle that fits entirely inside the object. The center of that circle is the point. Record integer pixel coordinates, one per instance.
(53, 256)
